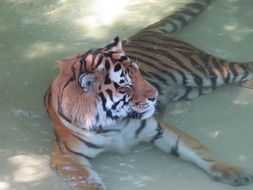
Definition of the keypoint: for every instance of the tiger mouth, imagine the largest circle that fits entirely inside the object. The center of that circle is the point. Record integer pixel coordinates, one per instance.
(141, 114)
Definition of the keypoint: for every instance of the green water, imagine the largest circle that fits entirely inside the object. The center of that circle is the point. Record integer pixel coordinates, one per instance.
(34, 34)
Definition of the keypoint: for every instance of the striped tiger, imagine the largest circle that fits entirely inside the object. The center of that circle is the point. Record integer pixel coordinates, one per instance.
(104, 100)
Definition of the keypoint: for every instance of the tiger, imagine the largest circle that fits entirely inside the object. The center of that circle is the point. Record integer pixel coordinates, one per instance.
(106, 100)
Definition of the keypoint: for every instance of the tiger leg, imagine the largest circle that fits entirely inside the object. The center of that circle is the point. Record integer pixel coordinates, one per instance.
(73, 165)
(176, 142)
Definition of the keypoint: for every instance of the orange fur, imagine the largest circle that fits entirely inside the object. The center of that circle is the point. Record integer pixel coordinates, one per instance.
(62, 160)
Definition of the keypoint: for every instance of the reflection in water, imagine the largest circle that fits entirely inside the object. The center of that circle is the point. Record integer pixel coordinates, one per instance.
(4, 185)
(41, 49)
(34, 34)
(215, 134)
(105, 13)
(26, 169)
(30, 168)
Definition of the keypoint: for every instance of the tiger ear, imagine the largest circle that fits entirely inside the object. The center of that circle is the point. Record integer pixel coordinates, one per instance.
(115, 45)
(86, 81)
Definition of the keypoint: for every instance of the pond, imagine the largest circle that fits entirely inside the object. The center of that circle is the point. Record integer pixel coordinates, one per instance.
(35, 34)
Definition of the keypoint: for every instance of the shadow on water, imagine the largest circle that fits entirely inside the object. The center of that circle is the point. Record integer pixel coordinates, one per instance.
(33, 34)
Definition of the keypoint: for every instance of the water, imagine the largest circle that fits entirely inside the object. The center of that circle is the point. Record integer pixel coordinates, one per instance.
(34, 34)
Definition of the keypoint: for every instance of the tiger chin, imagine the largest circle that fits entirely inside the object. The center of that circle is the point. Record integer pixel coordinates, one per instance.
(100, 102)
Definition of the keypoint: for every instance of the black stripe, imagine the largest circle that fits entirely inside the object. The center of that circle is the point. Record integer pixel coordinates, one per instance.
(109, 92)
(72, 78)
(158, 134)
(227, 78)
(174, 59)
(145, 74)
(140, 42)
(74, 152)
(117, 67)
(100, 60)
(113, 43)
(246, 71)
(140, 128)
(212, 76)
(233, 70)
(179, 18)
(116, 85)
(174, 149)
(60, 111)
(103, 100)
(161, 79)
(109, 54)
(151, 64)
(188, 89)
(59, 99)
(123, 58)
(219, 67)
(197, 79)
(198, 66)
(47, 95)
(114, 106)
(93, 55)
(135, 115)
(155, 37)
(107, 79)
(97, 117)
(82, 64)
(108, 112)
(57, 140)
(107, 65)
(100, 130)
(143, 42)
(168, 21)
(47, 99)
(188, 12)
(198, 6)
(89, 144)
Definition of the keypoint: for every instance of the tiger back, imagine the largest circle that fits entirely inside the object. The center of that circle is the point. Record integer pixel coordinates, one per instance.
(180, 70)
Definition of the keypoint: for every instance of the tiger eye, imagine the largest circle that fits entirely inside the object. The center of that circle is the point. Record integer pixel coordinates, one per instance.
(117, 68)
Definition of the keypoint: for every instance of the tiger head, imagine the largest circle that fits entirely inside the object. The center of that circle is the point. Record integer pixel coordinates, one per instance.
(100, 87)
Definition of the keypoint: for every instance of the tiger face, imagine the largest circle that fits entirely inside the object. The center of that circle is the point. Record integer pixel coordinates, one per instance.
(101, 87)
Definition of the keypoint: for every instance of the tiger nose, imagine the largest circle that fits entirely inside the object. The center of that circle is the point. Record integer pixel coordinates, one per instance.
(149, 95)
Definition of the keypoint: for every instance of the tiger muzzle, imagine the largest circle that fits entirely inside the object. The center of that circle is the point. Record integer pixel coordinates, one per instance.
(145, 95)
